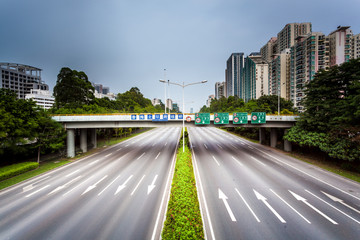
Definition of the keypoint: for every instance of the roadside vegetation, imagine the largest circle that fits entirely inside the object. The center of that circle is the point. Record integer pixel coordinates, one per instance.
(183, 217)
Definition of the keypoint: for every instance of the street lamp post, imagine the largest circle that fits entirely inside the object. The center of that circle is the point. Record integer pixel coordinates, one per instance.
(183, 85)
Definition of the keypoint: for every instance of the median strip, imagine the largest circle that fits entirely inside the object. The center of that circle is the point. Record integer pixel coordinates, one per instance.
(183, 217)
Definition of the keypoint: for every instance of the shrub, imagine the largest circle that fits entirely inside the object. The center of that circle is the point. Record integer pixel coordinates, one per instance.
(16, 169)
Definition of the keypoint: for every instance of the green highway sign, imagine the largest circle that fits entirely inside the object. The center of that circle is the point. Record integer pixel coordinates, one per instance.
(240, 118)
(258, 117)
(202, 118)
(221, 118)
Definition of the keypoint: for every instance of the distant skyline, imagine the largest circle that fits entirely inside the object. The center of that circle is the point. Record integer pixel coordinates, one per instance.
(123, 44)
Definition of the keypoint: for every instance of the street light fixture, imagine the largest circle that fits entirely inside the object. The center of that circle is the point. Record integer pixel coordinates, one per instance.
(183, 85)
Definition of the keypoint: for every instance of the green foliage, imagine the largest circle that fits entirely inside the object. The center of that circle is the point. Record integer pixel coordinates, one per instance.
(73, 89)
(16, 169)
(183, 218)
(331, 121)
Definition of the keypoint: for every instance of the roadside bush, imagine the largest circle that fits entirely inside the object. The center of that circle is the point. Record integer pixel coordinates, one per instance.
(183, 218)
(16, 169)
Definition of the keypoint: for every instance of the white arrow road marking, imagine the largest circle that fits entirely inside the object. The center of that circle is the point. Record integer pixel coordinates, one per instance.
(93, 186)
(165, 143)
(237, 161)
(291, 207)
(299, 198)
(121, 187)
(137, 185)
(263, 199)
(153, 144)
(140, 156)
(258, 161)
(223, 197)
(157, 155)
(152, 186)
(333, 207)
(108, 155)
(63, 186)
(215, 160)
(108, 185)
(257, 219)
(37, 191)
(335, 199)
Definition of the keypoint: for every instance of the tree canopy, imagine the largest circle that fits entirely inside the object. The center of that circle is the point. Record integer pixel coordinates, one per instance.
(331, 121)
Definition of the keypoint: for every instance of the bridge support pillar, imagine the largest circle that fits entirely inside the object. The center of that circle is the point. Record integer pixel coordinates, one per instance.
(70, 142)
(273, 137)
(83, 140)
(287, 144)
(262, 135)
(93, 137)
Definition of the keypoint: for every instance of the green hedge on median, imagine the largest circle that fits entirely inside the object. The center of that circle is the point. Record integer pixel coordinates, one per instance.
(183, 218)
(16, 169)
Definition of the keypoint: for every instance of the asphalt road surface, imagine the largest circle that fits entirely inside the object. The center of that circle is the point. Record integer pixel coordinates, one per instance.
(118, 193)
(249, 191)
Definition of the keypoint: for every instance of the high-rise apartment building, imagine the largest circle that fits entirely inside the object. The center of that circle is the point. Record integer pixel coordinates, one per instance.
(286, 37)
(269, 49)
(255, 78)
(340, 45)
(21, 78)
(356, 46)
(279, 79)
(219, 90)
(233, 74)
(208, 101)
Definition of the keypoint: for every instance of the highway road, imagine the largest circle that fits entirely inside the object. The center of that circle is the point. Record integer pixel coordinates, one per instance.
(249, 191)
(120, 192)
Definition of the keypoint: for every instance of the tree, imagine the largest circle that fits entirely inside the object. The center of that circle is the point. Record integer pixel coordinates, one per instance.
(272, 102)
(73, 89)
(18, 121)
(331, 121)
(50, 135)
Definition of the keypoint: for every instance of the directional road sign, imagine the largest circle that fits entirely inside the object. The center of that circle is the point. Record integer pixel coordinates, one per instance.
(240, 118)
(202, 118)
(258, 117)
(221, 118)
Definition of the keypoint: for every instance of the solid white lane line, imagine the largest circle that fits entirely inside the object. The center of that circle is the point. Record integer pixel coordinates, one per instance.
(37, 191)
(119, 149)
(237, 161)
(215, 160)
(224, 198)
(333, 207)
(233, 146)
(219, 146)
(137, 185)
(203, 197)
(290, 206)
(157, 155)
(247, 205)
(72, 173)
(264, 200)
(299, 198)
(108, 185)
(258, 161)
(140, 156)
(251, 147)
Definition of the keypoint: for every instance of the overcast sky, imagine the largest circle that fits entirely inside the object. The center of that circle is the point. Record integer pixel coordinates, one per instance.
(128, 43)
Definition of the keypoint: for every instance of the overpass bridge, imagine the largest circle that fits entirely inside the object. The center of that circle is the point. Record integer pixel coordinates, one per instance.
(88, 123)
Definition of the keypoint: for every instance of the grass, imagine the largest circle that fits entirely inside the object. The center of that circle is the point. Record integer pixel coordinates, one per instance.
(183, 217)
(56, 162)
